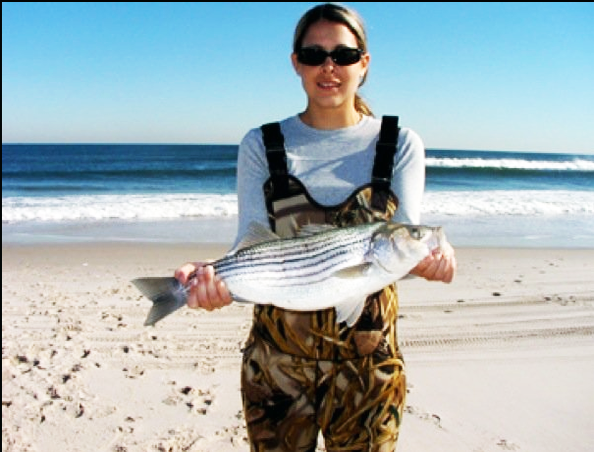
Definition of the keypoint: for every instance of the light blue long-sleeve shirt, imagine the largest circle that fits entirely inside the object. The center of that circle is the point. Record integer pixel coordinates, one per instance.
(331, 164)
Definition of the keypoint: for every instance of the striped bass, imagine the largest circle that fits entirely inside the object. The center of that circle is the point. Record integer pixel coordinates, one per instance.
(323, 267)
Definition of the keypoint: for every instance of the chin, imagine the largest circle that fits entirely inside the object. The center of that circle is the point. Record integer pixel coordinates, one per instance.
(329, 102)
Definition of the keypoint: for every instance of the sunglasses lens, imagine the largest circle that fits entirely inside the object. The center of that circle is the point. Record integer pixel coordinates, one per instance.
(314, 56)
(346, 57)
(311, 56)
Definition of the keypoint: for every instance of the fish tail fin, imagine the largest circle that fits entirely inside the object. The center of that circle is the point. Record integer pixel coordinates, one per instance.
(166, 293)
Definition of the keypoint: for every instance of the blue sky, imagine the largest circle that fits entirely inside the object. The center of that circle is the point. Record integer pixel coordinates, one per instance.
(483, 76)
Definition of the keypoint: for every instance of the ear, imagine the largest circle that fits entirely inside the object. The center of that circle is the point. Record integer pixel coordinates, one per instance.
(295, 63)
(365, 59)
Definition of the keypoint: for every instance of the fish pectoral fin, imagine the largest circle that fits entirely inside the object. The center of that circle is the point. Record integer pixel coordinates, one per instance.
(257, 233)
(166, 293)
(350, 311)
(356, 271)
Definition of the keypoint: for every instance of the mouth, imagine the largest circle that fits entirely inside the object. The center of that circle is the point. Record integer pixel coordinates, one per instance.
(328, 85)
(435, 239)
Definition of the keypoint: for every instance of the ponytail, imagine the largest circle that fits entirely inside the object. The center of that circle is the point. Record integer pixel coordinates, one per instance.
(362, 107)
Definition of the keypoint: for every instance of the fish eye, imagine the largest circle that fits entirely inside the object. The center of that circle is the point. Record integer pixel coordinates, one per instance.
(415, 233)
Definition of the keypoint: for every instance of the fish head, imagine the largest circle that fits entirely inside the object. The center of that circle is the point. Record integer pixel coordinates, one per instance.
(399, 247)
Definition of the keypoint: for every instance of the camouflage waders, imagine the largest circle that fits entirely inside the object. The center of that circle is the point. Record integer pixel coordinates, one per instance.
(302, 372)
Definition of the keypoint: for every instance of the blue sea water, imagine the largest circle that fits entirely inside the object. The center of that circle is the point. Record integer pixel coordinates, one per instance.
(77, 191)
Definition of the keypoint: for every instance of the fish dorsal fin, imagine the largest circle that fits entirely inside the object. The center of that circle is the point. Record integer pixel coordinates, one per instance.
(256, 233)
(310, 229)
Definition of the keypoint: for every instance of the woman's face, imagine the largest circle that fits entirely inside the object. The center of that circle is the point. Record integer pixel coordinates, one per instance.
(330, 85)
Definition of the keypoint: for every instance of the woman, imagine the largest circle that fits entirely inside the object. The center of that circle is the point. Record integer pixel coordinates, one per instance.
(303, 372)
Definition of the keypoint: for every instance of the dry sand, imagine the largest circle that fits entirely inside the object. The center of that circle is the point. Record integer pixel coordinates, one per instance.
(501, 359)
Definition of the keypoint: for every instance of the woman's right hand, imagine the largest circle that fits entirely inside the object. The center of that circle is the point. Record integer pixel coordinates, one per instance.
(207, 291)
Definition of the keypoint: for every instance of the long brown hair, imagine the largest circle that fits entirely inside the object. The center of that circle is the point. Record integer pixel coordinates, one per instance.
(340, 14)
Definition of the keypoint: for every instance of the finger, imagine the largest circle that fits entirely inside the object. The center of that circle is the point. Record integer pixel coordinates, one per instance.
(447, 269)
(192, 301)
(211, 288)
(202, 291)
(431, 273)
(183, 273)
(422, 266)
(453, 266)
(441, 270)
(208, 273)
(223, 292)
(217, 289)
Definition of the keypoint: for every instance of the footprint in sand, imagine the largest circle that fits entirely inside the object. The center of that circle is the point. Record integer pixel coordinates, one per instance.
(503, 444)
(421, 414)
(197, 400)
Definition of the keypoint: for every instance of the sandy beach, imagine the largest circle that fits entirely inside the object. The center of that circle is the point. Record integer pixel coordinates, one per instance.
(502, 359)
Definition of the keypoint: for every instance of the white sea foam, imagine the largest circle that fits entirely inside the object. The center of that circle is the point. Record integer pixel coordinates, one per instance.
(576, 164)
(179, 206)
(509, 203)
(118, 207)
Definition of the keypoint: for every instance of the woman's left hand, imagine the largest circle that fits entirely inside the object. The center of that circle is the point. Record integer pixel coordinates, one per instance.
(439, 266)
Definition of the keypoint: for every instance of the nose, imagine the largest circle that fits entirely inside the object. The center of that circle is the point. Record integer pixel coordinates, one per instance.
(328, 64)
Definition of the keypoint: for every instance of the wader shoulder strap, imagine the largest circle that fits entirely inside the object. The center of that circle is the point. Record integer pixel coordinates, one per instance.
(384, 153)
(383, 164)
(277, 157)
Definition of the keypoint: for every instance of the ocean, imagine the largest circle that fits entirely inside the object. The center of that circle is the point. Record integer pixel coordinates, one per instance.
(136, 192)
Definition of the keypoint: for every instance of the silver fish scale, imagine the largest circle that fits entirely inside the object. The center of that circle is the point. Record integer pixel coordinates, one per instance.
(299, 261)
(337, 268)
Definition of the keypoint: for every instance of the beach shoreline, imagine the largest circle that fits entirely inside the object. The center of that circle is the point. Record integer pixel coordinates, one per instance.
(501, 359)
(485, 231)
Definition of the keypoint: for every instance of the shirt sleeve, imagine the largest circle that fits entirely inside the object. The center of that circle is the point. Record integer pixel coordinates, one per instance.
(408, 180)
(252, 172)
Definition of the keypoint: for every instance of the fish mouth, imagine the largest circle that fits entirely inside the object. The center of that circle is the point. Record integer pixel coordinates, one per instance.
(436, 239)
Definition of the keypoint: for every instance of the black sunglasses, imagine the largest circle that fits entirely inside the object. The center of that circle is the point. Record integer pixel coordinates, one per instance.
(315, 56)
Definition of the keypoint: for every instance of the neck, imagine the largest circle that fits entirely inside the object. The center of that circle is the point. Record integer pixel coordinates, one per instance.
(330, 119)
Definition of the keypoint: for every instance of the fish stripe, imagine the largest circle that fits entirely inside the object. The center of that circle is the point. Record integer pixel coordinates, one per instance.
(278, 256)
(295, 275)
(298, 261)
